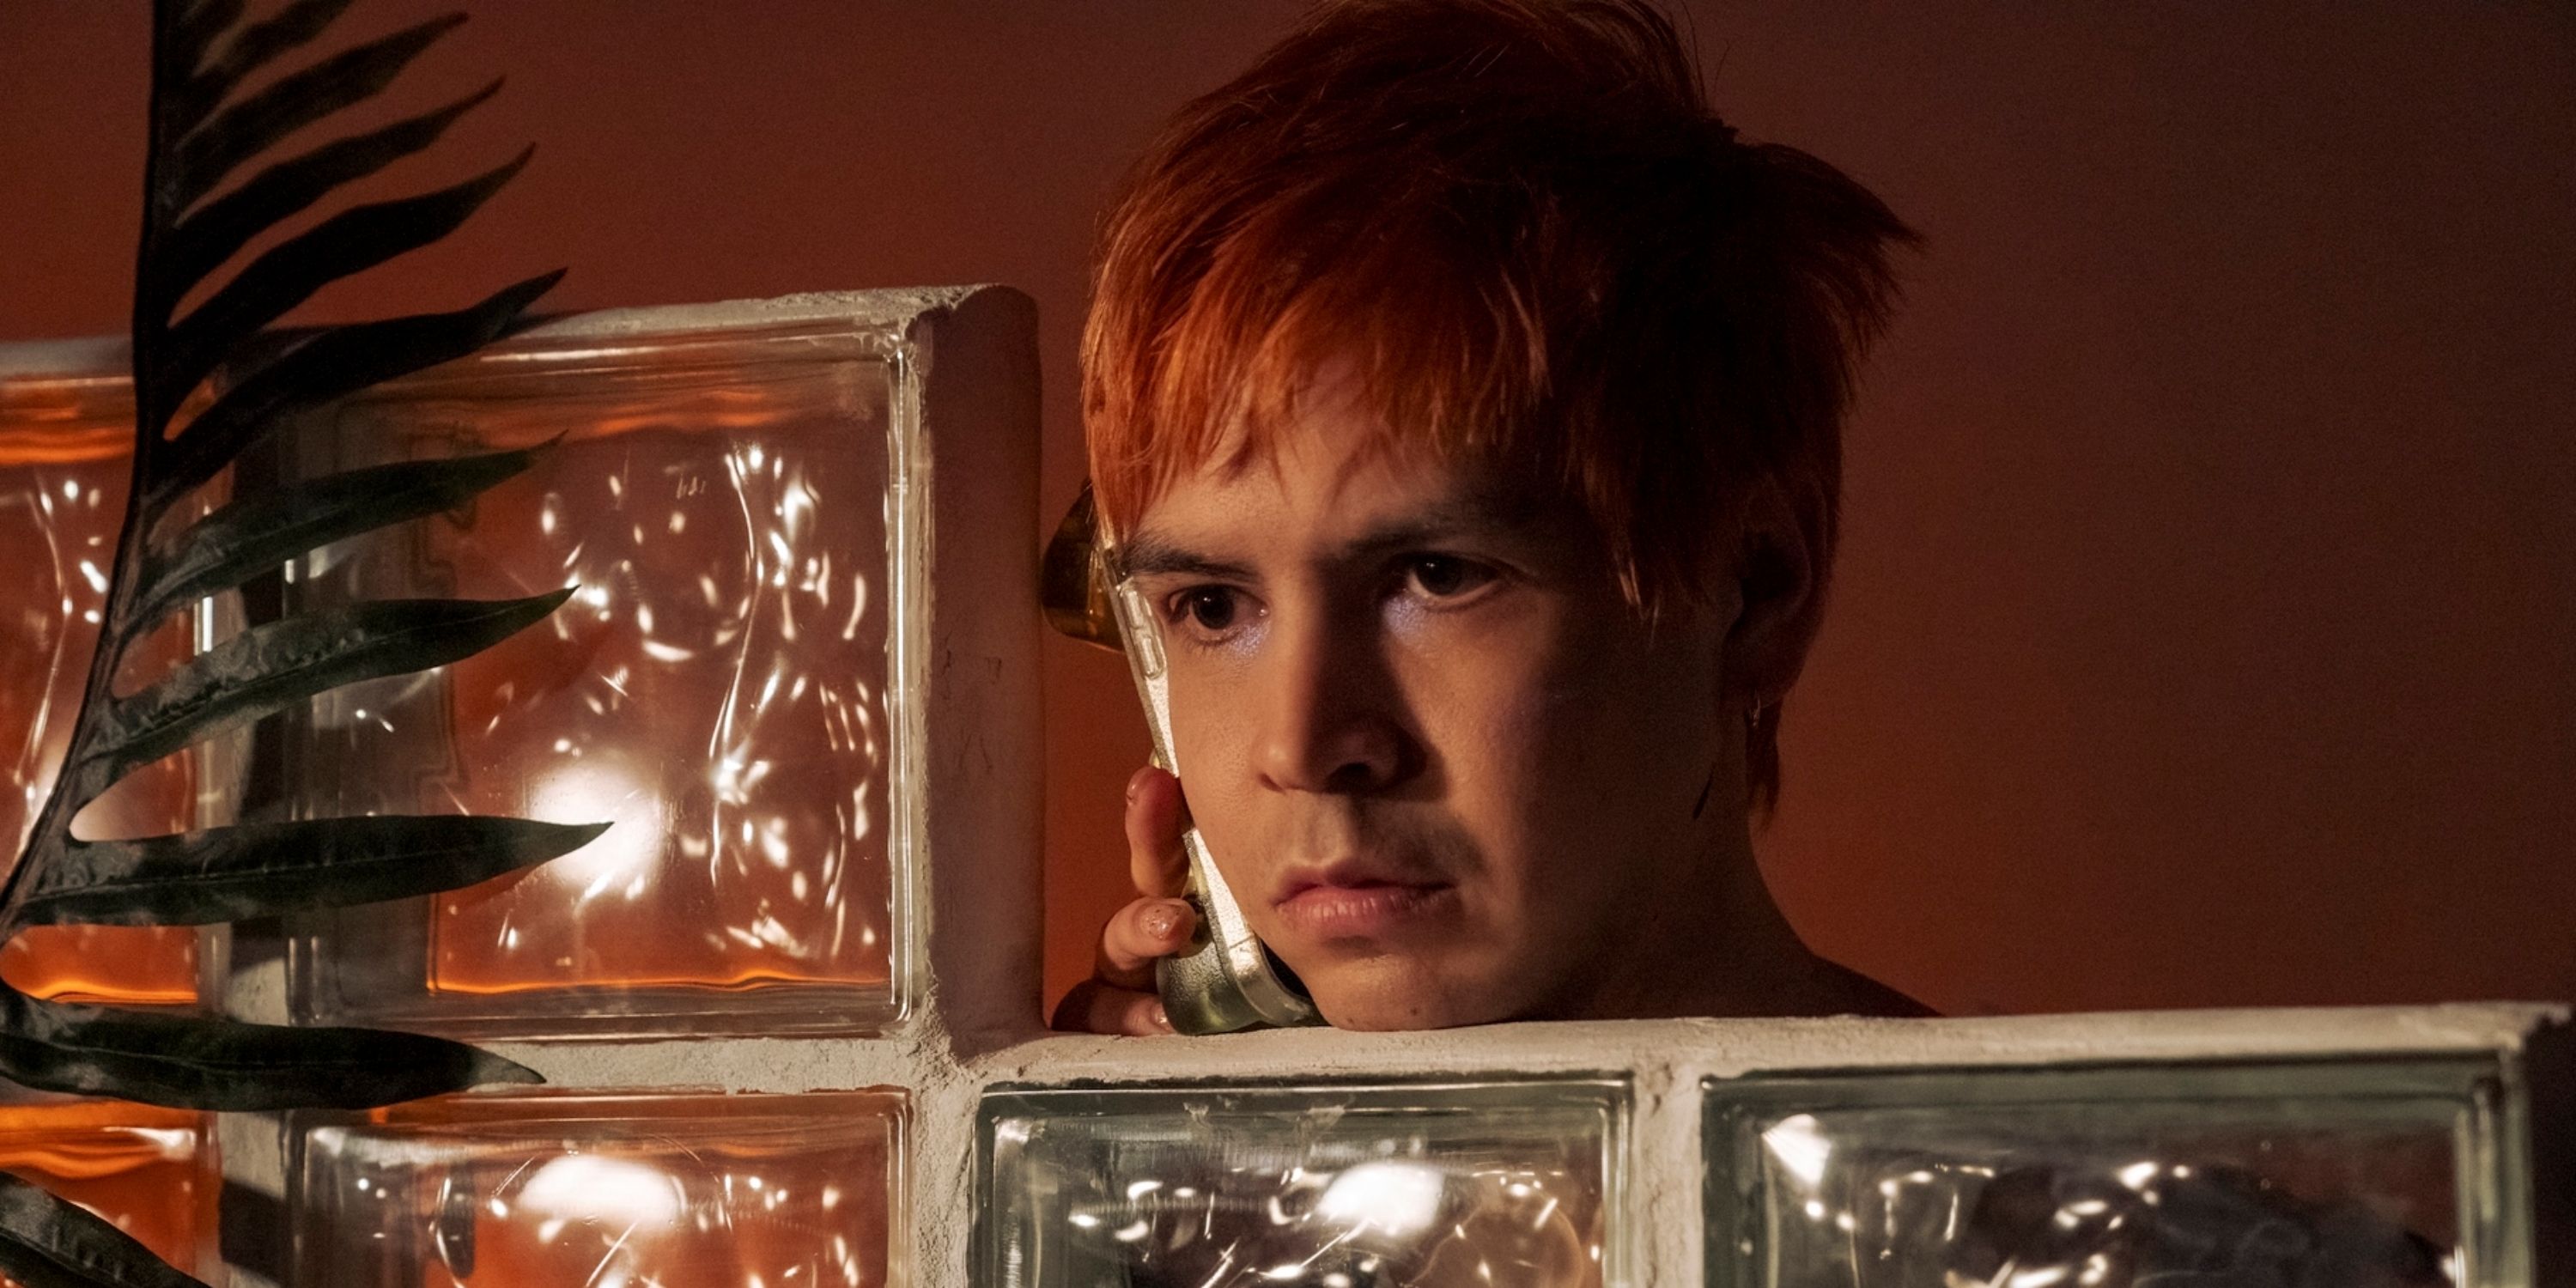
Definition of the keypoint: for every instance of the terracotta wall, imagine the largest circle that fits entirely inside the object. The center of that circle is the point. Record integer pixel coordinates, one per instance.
(2205, 632)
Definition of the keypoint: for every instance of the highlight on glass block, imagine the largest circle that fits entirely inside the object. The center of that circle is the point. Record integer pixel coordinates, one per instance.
(1501, 1184)
(66, 450)
(732, 504)
(2363, 1174)
(152, 1172)
(601, 1190)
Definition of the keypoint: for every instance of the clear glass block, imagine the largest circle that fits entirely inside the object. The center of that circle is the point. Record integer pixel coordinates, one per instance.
(66, 454)
(601, 1190)
(2356, 1174)
(733, 504)
(1504, 1184)
(152, 1172)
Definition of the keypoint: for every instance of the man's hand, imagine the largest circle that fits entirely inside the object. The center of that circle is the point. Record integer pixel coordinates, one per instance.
(1119, 996)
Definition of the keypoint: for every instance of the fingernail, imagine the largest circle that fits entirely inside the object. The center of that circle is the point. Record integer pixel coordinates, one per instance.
(1136, 783)
(1162, 1018)
(1162, 921)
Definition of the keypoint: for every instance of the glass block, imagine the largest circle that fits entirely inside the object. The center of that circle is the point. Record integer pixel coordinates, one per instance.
(2356, 1174)
(733, 505)
(1506, 1184)
(601, 1190)
(153, 1172)
(66, 451)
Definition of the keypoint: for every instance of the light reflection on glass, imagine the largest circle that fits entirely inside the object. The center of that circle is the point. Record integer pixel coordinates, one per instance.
(66, 448)
(1798, 1148)
(1483, 1186)
(716, 690)
(620, 862)
(614, 1191)
(2105, 1195)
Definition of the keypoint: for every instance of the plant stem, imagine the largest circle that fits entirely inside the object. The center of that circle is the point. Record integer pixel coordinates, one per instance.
(154, 408)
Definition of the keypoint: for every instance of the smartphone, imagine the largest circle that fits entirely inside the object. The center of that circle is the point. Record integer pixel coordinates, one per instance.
(1226, 979)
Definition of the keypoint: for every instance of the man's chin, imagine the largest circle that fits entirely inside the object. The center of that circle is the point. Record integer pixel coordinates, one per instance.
(1386, 994)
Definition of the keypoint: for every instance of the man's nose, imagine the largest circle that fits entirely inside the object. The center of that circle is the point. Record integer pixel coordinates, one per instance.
(1332, 720)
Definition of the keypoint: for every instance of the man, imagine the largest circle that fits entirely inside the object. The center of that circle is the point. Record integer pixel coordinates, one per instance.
(1466, 399)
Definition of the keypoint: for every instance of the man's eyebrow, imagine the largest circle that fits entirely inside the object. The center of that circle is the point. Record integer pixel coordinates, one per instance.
(1149, 553)
(1498, 514)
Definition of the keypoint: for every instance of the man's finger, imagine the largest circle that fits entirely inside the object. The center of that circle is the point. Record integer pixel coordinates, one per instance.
(1139, 933)
(1155, 859)
(1094, 1007)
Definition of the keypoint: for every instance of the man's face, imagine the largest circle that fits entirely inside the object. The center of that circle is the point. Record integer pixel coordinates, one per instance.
(1431, 748)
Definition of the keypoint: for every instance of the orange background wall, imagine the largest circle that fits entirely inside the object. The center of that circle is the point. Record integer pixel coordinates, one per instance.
(2207, 630)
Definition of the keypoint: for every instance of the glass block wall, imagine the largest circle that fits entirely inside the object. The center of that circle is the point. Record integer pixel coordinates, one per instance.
(789, 1007)
(66, 449)
(609, 1189)
(1331, 1185)
(2376, 1147)
(2375, 1172)
(736, 504)
(752, 684)
(153, 1172)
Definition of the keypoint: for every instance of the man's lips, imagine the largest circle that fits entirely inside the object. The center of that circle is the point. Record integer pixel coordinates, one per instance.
(1356, 900)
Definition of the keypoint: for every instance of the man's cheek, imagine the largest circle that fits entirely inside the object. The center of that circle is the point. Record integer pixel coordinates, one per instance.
(1213, 789)
(1238, 860)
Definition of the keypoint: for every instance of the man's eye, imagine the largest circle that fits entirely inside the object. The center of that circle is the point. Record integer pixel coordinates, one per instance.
(1445, 577)
(1208, 608)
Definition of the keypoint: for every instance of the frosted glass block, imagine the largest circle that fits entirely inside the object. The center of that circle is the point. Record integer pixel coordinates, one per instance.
(1471, 1185)
(601, 1191)
(66, 451)
(151, 1172)
(2358, 1174)
(734, 504)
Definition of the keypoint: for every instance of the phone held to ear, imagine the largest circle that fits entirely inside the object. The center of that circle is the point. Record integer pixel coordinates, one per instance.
(1227, 979)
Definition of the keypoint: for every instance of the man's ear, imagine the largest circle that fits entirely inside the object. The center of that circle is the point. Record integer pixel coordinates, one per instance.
(1782, 551)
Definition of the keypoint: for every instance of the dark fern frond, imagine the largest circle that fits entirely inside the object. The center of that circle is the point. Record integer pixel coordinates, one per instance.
(333, 364)
(211, 147)
(213, 232)
(204, 128)
(344, 245)
(250, 49)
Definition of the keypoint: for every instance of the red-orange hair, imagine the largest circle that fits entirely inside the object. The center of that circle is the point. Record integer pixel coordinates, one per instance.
(1520, 223)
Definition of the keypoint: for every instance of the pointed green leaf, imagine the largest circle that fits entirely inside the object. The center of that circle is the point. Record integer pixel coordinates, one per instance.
(268, 668)
(245, 129)
(204, 240)
(48, 1242)
(250, 49)
(288, 274)
(265, 529)
(339, 361)
(191, 1062)
(264, 869)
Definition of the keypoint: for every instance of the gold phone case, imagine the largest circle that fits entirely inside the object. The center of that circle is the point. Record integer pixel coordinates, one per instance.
(1227, 979)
